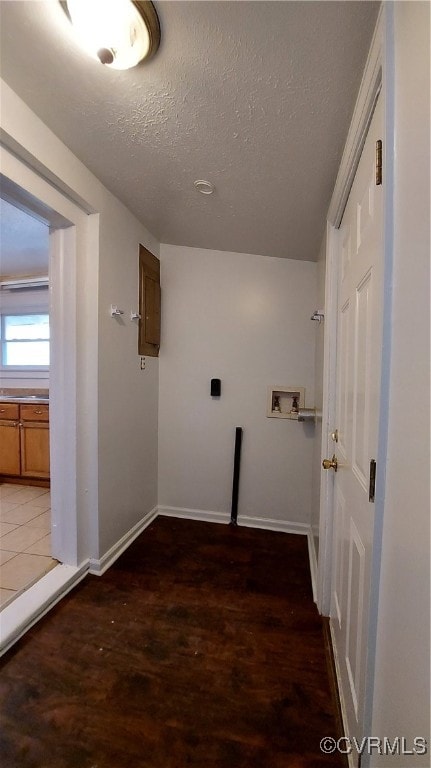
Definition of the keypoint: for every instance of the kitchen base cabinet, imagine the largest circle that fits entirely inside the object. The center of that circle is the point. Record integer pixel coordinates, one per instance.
(10, 450)
(35, 450)
(24, 442)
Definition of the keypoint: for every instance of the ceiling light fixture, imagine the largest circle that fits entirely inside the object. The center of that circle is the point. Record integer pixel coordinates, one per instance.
(204, 187)
(120, 33)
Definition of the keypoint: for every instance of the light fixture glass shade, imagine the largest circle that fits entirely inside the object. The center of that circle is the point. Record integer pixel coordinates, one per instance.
(113, 31)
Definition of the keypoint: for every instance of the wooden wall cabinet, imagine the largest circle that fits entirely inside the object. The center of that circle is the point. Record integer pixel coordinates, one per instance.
(24, 440)
(149, 303)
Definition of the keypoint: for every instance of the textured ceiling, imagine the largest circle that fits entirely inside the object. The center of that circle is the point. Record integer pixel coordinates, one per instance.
(24, 243)
(254, 96)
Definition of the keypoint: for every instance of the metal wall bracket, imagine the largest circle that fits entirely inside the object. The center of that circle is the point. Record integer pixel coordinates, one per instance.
(318, 315)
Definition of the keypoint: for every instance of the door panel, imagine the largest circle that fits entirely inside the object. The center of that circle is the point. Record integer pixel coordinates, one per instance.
(152, 310)
(357, 411)
(339, 523)
(361, 404)
(354, 616)
(149, 303)
(343, 402)
(365, 212)
(346, 246)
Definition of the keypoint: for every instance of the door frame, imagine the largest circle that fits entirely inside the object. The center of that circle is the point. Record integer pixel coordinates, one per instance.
(378, 78)
(73, 241)
(372, 84)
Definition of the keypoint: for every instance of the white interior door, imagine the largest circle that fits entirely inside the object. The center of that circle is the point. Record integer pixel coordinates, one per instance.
(359, 333)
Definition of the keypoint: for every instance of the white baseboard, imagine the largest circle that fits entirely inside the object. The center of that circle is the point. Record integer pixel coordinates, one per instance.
(208, 516)
(270, 524)
(23, 612)
(203, 515)
(98, 567)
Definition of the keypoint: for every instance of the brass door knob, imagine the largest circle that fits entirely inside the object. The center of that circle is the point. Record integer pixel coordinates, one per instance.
(330, 463)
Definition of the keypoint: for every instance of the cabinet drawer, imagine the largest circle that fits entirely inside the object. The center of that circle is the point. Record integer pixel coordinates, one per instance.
(34, 412)
(9, 410)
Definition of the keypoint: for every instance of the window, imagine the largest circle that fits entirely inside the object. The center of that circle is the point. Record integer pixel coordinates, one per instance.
(24, 341)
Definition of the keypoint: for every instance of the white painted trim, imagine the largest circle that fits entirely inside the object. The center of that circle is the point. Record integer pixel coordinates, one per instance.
(17, 149)
(324, 571)
(269, 524)
(23, 612)
(340, 690)
(70, 542)
(374, 80)
(362, 114)
(62, 426)
(208, 516)
(385, 45)
(204, 515)
(313, 563)
(98, 567)
(368, 92)
(389, 162)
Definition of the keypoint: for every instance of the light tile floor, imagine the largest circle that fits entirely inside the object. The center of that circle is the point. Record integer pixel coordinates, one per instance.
(25, 538)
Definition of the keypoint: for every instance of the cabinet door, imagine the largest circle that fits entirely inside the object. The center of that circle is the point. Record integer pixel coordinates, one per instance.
(35, 449)
(9, 448)
(149, 303)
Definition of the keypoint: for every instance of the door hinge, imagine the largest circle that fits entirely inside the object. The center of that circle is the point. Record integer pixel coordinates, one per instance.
(378, 162)
(372, 488)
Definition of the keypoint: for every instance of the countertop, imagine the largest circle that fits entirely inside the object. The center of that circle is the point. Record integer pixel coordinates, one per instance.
(26, 398)
(10, 399)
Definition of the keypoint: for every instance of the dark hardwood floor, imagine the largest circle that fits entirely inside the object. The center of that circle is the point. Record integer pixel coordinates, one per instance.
(200, 647)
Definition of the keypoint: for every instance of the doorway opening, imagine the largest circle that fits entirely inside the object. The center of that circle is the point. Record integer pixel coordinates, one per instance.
(67, 228)
(25, 504)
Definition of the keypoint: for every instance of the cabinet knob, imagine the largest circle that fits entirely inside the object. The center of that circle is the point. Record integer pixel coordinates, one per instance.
(38, 411)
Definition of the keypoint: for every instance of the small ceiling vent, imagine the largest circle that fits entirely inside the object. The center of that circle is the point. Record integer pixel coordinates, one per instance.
(25, 284)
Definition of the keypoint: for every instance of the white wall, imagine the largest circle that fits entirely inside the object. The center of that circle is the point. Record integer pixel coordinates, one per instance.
(246, 320)
(128, 396)
(402, 694)
(116, 401)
